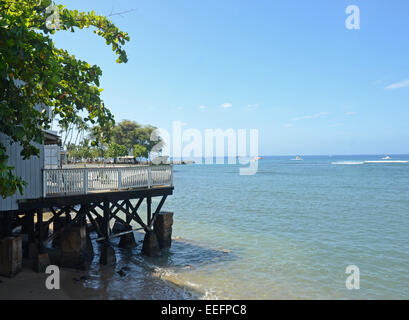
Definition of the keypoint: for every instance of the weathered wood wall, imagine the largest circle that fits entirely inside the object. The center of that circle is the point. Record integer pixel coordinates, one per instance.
(30, 170)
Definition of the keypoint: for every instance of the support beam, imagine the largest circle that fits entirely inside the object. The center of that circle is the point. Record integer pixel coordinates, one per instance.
(40, 230)
(105, 220)
(149, 210)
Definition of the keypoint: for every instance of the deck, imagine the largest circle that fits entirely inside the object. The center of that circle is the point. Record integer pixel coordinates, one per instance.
(82, 181)
(80, 197)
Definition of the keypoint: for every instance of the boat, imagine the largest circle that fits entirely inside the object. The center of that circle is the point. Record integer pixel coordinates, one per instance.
(298, 158)
(387, 158)
(386, 161)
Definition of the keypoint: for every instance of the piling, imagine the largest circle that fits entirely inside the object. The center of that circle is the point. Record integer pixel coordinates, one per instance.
(150, 245)
(11, 256)
(108, 257)
(163, 229)
(76, 248)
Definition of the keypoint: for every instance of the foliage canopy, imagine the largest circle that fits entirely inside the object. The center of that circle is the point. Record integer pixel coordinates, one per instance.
(34, 73)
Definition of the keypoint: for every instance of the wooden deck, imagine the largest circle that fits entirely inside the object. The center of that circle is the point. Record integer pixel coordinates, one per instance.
(75, 181)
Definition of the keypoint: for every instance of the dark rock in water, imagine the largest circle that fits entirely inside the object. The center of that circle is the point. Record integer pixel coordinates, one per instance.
(121, 273)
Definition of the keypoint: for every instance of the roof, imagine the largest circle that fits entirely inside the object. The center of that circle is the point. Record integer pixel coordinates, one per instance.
(51, 137)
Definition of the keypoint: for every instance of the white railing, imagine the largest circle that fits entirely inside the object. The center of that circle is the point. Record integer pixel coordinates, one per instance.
(86, 180)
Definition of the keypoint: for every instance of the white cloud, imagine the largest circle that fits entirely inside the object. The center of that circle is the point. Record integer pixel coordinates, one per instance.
(202, 107)
(351, 113)
(398, 85)
(314, 116)
(253, 106)
(227, 105)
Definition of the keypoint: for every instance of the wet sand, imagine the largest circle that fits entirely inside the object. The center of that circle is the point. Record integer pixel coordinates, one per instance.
(30, 285)
(80, 285)
(133, 277)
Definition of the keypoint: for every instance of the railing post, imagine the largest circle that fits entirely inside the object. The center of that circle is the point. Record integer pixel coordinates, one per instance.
(44, 183)
(171, 176)
(86, 181)
(149, 177)
(119, 179)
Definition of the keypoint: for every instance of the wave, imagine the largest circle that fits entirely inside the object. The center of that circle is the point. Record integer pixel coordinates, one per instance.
(348, 162)
(187, 289)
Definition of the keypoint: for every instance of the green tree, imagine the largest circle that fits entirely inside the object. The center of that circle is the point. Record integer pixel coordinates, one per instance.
(130, 133)
(116, 150)
(124, 133)
(140, 152)
(34, 73)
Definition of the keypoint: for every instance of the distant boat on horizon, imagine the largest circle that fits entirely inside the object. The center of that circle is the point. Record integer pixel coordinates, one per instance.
(298, 158)
(387, 158)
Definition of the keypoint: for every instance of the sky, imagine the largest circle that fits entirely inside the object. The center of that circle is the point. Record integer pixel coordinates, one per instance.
(290, 69)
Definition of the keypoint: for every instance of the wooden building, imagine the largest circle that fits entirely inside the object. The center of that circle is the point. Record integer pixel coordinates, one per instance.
(84, 199)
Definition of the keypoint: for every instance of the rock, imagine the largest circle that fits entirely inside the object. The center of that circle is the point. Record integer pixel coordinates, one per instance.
(121, 273)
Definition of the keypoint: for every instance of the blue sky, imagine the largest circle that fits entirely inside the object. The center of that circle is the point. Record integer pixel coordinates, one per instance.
(288, 68)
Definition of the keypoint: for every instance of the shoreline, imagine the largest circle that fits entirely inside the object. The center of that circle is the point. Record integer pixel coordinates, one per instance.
(130, 278)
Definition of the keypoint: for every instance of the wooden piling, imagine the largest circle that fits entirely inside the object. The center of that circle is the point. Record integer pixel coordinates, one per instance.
(163, 229)
(11, 256)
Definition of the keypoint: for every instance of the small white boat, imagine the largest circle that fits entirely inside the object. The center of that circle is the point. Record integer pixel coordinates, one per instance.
(388, 161)
(387, 158)
(297, 158)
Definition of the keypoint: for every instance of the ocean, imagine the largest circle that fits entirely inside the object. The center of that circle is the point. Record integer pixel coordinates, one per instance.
(288, 232)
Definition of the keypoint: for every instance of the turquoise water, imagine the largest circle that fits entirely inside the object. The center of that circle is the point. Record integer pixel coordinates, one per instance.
(290, 231)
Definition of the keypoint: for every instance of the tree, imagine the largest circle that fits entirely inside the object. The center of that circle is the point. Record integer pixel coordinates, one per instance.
(140, 151)
(130, 133)
(116, 150)
(34, 74)
(124, 133)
